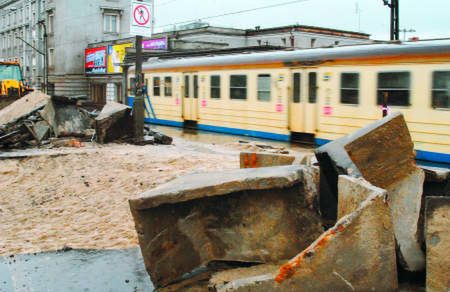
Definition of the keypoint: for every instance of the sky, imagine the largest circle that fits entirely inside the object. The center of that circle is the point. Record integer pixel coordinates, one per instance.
(429, 18)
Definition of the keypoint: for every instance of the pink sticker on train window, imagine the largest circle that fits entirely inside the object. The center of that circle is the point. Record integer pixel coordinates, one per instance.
(327, 110)
(177, 101)
(204, 103)
(279, 107)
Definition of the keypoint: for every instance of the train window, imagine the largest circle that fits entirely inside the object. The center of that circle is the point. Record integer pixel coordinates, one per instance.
(186, 86)
(264, 83)
(296, 87)
(312, 87)
(156, 86)
(393, 88)
(350, 88)
(441, 89)
(168, 86)
(238, 86)
(195, 86)
(132, 86)
(215, 86)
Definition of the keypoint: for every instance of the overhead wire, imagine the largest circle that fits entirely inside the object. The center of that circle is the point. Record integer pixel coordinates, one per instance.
(234, 12)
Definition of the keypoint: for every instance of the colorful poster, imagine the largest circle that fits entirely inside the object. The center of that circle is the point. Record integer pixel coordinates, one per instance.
(95, 60)
(155, 44)
(116, 55)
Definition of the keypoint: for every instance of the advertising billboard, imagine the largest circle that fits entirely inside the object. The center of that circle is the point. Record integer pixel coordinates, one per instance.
(95, 60)
(155, 44)
(116, 55)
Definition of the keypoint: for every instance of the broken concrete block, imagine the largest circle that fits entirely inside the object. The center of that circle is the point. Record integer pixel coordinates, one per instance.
(357, 254)
(41, 130)
(23, 107)
(114, 122)
(384, 152)
(255, 160)
(244, 215)
(406, 201)
(437, 181)
(437, 234)
(352, 192)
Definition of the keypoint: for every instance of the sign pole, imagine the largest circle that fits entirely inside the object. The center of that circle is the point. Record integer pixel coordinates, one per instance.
(138, 109)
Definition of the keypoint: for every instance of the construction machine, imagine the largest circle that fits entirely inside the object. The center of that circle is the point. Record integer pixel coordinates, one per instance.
(11, 81)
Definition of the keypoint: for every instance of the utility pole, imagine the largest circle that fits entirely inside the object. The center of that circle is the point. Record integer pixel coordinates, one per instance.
(395, 20)
(138, 108)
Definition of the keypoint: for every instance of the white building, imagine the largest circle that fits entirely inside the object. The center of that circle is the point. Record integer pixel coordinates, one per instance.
(19, 23)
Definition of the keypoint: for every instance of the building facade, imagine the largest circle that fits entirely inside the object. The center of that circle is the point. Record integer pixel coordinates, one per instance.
(22, 37)
(62, 29)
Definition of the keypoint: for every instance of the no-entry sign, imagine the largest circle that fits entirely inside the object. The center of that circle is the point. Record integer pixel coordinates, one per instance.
(141, 18)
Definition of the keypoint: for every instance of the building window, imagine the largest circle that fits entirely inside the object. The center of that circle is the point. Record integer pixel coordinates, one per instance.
(441, 89)
(156, 86)
(51, 57)
(312, 90)
(111, 22)
(264, 84)
(313, 43)
(168, 86)
(50, 23)
(296, 87)
(350, 88)
(238, 87)
(195, 86)
(215, 86)
(393, 88)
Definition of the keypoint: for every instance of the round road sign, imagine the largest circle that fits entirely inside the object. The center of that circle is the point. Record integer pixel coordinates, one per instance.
(141, 15)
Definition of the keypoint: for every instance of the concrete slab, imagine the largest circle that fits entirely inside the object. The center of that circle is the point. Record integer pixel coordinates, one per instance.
(384, 153)
(114, 122)
(75, 270)
(255, 159)
(406, 202)
(352, 192)
(437, 234)
(195, 186)
(244, 215)
(23, 107)
(357, 254)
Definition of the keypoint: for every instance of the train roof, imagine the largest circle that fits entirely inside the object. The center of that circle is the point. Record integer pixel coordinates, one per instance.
(432, 47)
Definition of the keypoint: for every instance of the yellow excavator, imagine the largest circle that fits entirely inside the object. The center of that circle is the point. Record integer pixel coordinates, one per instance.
(12, 85)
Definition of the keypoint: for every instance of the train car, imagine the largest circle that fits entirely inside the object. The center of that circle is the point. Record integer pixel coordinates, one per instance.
(311, 95)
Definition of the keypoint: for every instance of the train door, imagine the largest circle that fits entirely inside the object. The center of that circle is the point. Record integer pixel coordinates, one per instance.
(296, 104)
(190, 96)
(311, 101)
(303, 101)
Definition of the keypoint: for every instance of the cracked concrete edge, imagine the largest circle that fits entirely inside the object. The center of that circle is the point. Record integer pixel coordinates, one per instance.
(200, 185)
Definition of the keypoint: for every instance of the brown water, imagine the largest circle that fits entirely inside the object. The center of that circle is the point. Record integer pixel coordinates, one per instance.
(222, 139)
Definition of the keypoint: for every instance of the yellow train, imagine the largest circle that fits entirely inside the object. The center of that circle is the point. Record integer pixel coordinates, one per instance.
(314, 94)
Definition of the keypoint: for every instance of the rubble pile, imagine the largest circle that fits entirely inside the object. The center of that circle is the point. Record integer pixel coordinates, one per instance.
(384, 221)
(38, 119)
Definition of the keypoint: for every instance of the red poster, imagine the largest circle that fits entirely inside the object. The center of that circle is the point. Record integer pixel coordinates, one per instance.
(95, 60)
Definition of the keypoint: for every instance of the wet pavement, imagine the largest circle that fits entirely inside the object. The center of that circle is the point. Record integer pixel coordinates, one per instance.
(75, 270)
(221, 138)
